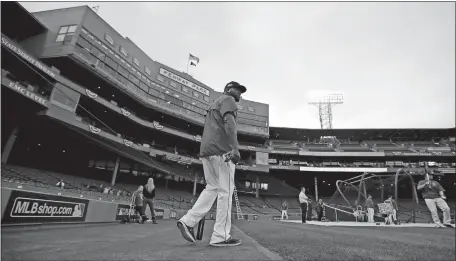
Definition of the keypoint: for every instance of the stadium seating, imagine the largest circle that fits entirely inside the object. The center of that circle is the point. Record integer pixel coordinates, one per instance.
(382, 145)
(283, 144)
(318, 147)
(422, 146)
(47, 180)
(353, 146)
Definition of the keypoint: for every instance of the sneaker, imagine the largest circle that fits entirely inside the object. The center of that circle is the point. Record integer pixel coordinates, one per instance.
(448, 225)
(186, 231)
(227, 243)
(439, 225)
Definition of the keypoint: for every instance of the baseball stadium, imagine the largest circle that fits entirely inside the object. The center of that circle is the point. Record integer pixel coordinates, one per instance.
(87, 117)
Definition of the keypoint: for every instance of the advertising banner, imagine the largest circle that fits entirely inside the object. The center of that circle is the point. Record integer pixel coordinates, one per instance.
(259, 168)
(25, 92)
(285, 167)
(159, 213)
(29, 207)
(340, 169)
(287, 152)
(15, 48)
(343, 154)
(122, 211)
(173, 215)
(428, 154)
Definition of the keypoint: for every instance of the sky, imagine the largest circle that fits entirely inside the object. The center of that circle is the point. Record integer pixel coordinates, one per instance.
(393, 62)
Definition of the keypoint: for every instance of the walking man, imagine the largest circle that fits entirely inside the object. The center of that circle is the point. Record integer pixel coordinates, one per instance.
(319, 209)
(434, 196)
(303, 200)
(219, 153)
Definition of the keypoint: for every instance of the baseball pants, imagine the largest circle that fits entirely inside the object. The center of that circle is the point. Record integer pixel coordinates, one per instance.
(370, 215)
(284, 213)
(394, 215)
(432, 205)
(303, 212)
(219, 177)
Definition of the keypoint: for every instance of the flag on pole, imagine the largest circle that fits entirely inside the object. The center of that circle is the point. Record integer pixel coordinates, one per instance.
(193, 58)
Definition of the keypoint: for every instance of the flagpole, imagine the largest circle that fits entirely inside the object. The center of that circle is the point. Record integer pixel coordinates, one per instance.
(188, 61)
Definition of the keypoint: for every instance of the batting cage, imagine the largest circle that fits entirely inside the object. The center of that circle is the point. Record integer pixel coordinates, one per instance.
(349, 200)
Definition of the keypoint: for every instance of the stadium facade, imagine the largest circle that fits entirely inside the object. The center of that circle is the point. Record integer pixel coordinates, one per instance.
(79, 98)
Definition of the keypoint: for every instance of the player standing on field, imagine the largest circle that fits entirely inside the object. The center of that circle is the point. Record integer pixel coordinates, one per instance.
(434, 196)
(370, 209)
(284, 209)
(218, 143)
(303, 201)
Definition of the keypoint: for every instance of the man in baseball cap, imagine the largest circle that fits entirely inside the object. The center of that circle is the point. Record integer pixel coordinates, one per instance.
(434, 196)
(235, 90)
(219, 153)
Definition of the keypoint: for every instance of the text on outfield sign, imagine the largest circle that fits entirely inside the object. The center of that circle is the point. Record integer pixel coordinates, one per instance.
(30, 207)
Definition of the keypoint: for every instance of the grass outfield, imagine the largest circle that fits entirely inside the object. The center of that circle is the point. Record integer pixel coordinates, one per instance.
(295, 241)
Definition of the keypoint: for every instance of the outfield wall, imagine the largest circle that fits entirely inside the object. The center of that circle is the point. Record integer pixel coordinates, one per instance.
(25, 207)
(31, 207)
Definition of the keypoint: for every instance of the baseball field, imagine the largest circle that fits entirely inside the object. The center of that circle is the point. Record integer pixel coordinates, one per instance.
(262, 240)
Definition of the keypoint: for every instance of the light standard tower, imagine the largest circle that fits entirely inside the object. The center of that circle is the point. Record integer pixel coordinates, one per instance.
(325, 107)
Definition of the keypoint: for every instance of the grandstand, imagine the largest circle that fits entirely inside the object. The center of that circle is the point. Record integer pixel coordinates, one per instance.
(83, 105)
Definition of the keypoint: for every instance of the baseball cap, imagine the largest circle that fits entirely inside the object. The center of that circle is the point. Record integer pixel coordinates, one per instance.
(233, 84)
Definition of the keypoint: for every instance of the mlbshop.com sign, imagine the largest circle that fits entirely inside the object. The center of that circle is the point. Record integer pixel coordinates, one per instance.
(28, 207)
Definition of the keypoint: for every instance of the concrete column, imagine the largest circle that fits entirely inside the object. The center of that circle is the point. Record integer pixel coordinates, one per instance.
(316, 188)
(116, 170)
(195, 183)
(257, 193)
(9, 145)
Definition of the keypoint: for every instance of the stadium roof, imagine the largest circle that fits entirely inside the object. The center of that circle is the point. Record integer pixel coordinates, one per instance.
(358, 134)
(27, 26)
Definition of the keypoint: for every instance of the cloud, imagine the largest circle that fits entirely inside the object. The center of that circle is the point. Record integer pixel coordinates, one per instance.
(394, 62)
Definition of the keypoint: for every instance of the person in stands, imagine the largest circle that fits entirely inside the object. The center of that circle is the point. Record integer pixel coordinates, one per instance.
(60, 184)
(149, 195)
(434, 196)
(319, 209)
(303, 201)
(370, 209)
(284, 209)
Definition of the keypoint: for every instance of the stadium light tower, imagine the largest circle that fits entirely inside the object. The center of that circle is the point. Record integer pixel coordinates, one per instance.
(325, 108)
